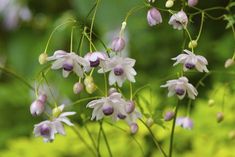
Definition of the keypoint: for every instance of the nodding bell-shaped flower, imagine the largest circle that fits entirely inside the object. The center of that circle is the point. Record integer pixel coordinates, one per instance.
(37, 108)
(118, 44)
(46, 129)
(191, 61)
(169, 3)
(120, 69)
(169, 116)
(113, 105)
(130, 107)
(180, 87)
(78, 88)
(184, 122)
(179, 20)
(154, 17)
(94, 58)
(192, 3)
(68, 62)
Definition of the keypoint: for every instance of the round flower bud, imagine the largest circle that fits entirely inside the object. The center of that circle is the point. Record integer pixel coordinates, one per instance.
(118, 44)
(91, 88)
(220, 117)
(169, 3)
(42, 58)
(154, 17)
(37, 108)
(107, 110)
(112, 90)
(231, 134)
(77, 88)
(192, 44)
(134, 128)
(192, 3)
(130, 107)
(56, 112)
(88, 80)
(169, 116)
(149, 122)
(229, 62)
(42, 97)
(211, 102)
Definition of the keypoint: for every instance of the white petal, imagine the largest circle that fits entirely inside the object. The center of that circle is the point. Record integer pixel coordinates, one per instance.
(65, 73)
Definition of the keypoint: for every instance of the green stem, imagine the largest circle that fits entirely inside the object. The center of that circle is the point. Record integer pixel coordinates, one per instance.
(106, 141)
(84, 99)
(201, 26)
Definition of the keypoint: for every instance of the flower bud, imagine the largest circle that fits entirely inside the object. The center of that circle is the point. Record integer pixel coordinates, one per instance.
(169, 3)
(229, 62)
(211, 102)
(192, 3)
(169, 116)
(37, 108)
(77, 88)
(42, 58)
(118, 44)
(192, 44)
(134, 128)
(88, 80)
(130, 107)
(220, 117)
(112, 90)
(91, 88)
(154, 17)
(56, 111)
(107, 110)
(149, 122)
(151, 1)
(42, 97)
(231, 134)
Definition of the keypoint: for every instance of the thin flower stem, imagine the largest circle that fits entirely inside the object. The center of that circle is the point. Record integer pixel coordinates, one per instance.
(81, 42)
(106, 140)
(74, 128)
(84, 99)
(173, 129)
(20, 78)
(71, 40)
(98, 142)
(189, 35)
(133, 10)
(201, 26)
(154, 139)
(131, 92)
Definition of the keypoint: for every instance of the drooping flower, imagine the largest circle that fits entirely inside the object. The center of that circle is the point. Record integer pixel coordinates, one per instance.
(38, 106)
(68, 62)
(131, 119)
(180, 87)
(190, 61)
(120, 69)
(118, 44)
(94, 58)
(169, 115)
(179, 20)
(192, 3)
(184, 122)
(47, 129)
(154, 17)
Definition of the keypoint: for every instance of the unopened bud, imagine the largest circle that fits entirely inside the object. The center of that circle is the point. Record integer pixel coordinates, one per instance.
(88, 80)
(211, 102)
(37, 108)
(118, 44)
(56, 112)
(154, 17)
(77, 88)
(42, 97)
(134, 128)
(169, 3)
(220, 117)
(130, 107)
(192, 44)
(149, 122)
(91, 88)
(229, 62)
(231, 134)
(42, 58)
(169, 116)
(192, 3)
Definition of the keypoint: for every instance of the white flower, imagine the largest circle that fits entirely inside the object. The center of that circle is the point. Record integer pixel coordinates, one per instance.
(69, 62)
(179, 20)
(190, 61)
(94, 59)
(184, 122)
(120, 69)
(180, 87)
(133, 117)
(113, 105)
(229, 62)
(47, 129)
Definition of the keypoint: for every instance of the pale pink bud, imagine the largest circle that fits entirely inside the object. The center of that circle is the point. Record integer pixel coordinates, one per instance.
(37, 107)
(154, 17)
(43, 98)
(77, 88)
(118, 44)
(134, 128)
(169, 116)
(130, 107)
(192, 3)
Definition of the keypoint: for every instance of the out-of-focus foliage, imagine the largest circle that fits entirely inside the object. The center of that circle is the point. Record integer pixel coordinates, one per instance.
(151, 47)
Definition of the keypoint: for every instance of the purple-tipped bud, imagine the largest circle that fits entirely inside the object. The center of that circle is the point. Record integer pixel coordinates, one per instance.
(67, 67)
(45, 130)
(118, 71)
(121, 116)
(189, 65)
(118, 44)
(169, 116)
(112, 90)
(77, 88)
(134, 128)
(42, 97)
(192, 3)
(220, 117)
(154, 17)
(107, 110)
(179, 91)
(37, 107)
(130, 107)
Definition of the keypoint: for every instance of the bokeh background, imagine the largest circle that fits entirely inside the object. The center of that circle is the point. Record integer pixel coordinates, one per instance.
(24, 30)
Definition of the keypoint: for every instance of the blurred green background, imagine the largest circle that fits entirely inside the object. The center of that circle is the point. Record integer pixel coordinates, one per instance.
(23, 36)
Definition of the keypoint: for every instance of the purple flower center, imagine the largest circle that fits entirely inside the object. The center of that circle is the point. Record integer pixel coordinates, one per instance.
(45, 130)
(67, 67)
(108, 110)
(118, 71)
(189, 65)
(179, 91)
(94, 63)
(121, 116)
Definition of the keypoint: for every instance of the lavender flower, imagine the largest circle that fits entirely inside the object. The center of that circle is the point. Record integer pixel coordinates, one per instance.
(169, 116)
(184, 122)
(154, 17)
(118, 44)
(94, 58)
(192, 3)
(179, 20)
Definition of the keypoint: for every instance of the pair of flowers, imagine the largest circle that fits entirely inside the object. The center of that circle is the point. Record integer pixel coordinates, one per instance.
(120, 68)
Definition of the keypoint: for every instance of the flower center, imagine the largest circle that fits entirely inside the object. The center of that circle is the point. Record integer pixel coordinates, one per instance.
(189, 65)
(121, 116)
(179, 91)
(67, 67)
(107, 110)
(118, 71)
(94, 63)
(45, 130)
